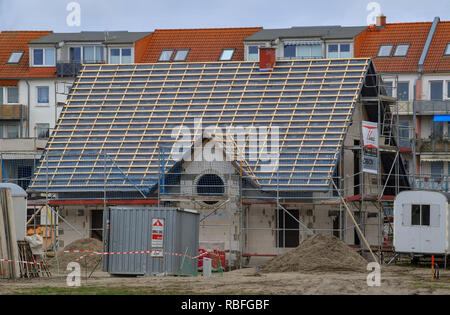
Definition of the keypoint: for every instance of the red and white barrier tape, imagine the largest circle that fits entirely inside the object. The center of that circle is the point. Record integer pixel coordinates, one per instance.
(90, 253)
(21, 262)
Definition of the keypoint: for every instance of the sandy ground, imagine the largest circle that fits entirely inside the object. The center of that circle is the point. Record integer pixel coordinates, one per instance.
(394, 280)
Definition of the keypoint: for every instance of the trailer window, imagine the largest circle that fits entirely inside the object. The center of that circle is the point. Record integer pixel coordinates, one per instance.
(420, 215)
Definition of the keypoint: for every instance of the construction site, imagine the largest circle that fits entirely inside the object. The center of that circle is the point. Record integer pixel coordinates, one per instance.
(303, 161)
(255, 195)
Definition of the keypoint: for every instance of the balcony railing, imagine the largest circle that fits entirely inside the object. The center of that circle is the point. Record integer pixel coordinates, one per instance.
(300, 57)
(433, 145)
(432, 183)
(13, 112)
(72, 68)
(433, 107)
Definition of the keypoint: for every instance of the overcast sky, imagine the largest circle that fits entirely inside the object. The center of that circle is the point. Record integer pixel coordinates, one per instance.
(147, 15)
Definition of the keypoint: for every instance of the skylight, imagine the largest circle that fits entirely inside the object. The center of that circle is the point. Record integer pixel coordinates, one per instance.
(227, 54)
(181, 55)
(166, 54)
(447, 50)
(15, 57)
(385, 50)
(401, 50)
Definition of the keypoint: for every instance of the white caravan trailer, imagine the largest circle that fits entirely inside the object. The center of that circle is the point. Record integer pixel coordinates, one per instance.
(421, 222)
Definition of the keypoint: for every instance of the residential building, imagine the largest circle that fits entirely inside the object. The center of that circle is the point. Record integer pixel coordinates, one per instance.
(37, 70)
(198, 45)
(414, 61)
(314, 42)
(27, 110)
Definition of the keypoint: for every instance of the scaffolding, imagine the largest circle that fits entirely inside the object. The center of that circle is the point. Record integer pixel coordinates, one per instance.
(376, 191)
(234, 192)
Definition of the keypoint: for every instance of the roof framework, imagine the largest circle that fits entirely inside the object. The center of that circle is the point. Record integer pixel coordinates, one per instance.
(129, 111)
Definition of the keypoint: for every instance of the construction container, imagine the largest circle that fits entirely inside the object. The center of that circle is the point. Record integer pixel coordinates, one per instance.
(421, 221)
(171, 233)
(19, 199)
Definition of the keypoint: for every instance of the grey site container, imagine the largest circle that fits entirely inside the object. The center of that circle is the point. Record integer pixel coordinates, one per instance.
(130, 229)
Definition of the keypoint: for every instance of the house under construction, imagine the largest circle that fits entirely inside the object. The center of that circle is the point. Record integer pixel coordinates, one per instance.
(267, 153)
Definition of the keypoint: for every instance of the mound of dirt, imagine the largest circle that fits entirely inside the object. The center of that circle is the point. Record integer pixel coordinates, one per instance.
(82, 244)
(320, 252)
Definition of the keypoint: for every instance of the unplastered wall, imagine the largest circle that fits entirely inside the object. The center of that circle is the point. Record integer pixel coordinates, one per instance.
(261, 223)
(80, 218)
(354, 133)
(221, 225)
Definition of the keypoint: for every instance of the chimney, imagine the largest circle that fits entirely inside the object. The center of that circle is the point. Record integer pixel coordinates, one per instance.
(266, 59)
(381, 21)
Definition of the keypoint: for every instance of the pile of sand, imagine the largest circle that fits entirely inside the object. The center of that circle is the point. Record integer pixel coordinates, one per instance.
(320, 252)
(82, 244)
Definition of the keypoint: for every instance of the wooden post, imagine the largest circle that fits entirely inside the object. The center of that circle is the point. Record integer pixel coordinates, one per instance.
(355, 223)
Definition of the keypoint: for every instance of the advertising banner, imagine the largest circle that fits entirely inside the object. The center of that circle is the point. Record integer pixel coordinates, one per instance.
(370, 147)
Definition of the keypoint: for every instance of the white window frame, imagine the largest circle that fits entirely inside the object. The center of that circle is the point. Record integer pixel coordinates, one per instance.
(4, 130)
(227, 49)
(44, 65)
(37, 95)
(121, 49)
(339, 49)
(390, 52)
(82, 52)
(443, 87)
(187, 50)
(447, 50)
(247, 50)
(297, 54)
(409, 90)
(13, 53)
(96, 59)
(5, 100)
(401, 56)
(47, 125)
(171, 55)
(446, 89)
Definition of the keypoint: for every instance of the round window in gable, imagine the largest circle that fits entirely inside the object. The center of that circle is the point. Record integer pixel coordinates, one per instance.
(210, 185)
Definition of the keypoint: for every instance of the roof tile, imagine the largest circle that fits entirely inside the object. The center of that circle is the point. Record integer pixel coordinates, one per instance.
(368, 43)
(204, 44)
(436, 61)
(18, 41)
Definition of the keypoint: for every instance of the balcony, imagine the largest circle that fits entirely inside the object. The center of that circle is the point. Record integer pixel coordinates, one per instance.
(22, 144)
(70, 69)
(438, 145)
(441, 184)
(402, 108)
(432, 107)
(13, 112)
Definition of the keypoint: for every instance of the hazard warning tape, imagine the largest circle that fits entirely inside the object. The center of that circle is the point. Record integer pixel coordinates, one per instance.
(21, 262)
(90, 253)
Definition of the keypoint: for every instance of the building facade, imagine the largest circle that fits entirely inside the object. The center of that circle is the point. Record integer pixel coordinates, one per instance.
(413, 60)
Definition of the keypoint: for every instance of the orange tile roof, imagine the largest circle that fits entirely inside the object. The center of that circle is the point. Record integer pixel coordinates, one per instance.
(436, 61)
(18, 41)
(368, 43)
(204, 44)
